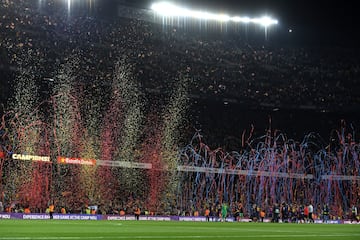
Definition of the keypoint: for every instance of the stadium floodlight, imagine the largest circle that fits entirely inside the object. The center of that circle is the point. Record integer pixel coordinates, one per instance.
(167, 9)
(241, 19)
(265, 21)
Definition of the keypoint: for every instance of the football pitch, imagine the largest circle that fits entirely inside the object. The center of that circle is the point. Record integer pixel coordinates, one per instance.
(74, 229)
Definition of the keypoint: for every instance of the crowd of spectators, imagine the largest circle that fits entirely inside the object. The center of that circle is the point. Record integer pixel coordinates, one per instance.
(223, 66)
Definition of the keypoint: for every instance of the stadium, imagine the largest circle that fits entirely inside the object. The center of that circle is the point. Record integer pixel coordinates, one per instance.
(107, 107)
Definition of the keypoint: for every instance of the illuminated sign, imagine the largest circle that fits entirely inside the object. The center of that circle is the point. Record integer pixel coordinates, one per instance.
(341, 177)
(81, 161)
(183, 168)
(124, 164)
(31, 157)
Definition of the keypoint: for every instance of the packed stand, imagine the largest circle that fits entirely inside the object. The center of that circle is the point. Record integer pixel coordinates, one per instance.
(222, 66)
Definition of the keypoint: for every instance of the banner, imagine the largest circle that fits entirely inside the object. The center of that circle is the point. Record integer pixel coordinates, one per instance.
(30, 157)
(124, 164)
(80, 161)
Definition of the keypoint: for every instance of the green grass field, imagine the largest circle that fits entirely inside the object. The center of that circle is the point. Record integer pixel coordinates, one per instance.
(73, 229)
